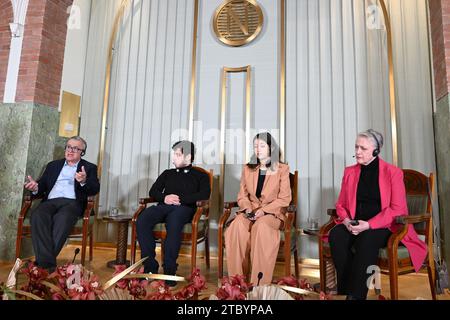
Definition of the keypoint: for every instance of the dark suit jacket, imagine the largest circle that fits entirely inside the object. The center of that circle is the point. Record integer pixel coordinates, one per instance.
(52, 171)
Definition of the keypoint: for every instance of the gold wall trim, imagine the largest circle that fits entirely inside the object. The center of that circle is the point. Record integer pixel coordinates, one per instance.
(193, 73)
(283, 78)
(223, 106)
(392, 100)
(117, 20)
(69, 120)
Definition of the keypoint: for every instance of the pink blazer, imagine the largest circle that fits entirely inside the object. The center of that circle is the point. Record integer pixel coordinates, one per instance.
(393, 204)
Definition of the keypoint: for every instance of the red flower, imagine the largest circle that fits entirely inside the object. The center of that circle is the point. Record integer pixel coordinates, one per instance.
(198, 281)
(233, 288)
(289, 281)
(35, 277)
(159, 291)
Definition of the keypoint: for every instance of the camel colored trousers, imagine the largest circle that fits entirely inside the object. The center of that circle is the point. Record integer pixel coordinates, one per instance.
(260, 241)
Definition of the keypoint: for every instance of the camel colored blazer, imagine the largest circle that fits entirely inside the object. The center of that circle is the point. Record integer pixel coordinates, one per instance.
(393, 204)
(275, 195)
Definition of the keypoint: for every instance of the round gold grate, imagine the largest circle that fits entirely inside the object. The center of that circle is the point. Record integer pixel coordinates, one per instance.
(238, 22)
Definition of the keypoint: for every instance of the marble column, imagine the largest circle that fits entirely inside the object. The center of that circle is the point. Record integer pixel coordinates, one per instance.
(27, 134)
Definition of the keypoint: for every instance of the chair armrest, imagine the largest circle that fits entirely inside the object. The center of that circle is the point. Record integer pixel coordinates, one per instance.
(142, 205)
(403, 221)
(203, 203)
(289, 222)
(226, 214)
(198, 214)
(332, 213)
(28, 201)
(325, 229)
(413, 219)
(396, 237)
(230, 205)
(89, 208)
(145, 201)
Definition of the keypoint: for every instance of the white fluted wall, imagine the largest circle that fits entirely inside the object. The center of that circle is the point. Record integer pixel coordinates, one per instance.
(149, 96)
(337, 85)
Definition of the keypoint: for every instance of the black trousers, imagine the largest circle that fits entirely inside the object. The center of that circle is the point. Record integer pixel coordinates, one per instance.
(51, 224)
(175, 217)
(352, 255)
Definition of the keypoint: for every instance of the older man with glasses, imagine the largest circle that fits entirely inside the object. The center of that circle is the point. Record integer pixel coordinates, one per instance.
(65, 186)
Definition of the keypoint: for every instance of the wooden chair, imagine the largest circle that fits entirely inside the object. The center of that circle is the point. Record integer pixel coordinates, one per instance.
(288, 243)
(394, 259)
(82, 229)
(193, 233)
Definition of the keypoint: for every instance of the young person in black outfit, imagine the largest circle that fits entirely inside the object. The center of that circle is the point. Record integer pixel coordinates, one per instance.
(177, 191)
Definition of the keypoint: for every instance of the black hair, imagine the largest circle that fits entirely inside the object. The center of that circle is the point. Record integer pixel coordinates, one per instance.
(186, 147)
(274, 151)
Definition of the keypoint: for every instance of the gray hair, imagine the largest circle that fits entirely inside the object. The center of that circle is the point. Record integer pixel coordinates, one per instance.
(78, 138)
(374, 136)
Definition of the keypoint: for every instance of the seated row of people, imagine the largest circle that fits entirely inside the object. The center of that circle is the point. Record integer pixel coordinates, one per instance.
(372, 195)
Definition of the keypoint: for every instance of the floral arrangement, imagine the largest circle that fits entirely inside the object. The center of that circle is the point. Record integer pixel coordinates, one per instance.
(143, 289)
(74, 282)
(237, 288)
(233, 288)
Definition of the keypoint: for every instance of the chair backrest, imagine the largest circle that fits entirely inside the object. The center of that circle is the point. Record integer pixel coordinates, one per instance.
(419, 190)
(210, 175)
(293, 180)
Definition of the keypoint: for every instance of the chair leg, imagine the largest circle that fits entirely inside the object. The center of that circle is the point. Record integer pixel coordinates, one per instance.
(393, 273)
(91, 246)
(432, 279)
(220, 255)
(377, 285)
(83, 248)
(19, 238)
(287, 254)
(194, 253)
(18, 245)
(322, 272)
(393, 281)
(207, 257)
(297, 271)
(162, 250)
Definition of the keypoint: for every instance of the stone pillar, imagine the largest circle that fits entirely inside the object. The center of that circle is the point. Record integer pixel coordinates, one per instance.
(440, 33)
(28, 124)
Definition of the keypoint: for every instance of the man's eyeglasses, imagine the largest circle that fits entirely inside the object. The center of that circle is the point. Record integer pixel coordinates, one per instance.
(73, 149)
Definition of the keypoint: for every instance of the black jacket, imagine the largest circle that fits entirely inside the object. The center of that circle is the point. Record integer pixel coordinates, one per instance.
(190, 186)
(52, 171)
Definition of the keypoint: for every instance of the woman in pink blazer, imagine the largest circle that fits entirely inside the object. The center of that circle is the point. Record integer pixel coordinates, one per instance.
(372, 195)
(264, 193)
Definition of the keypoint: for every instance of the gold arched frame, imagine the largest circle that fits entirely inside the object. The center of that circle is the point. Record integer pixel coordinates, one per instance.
(123, 6)
(282, 102)
(223, 106)
(390, 49)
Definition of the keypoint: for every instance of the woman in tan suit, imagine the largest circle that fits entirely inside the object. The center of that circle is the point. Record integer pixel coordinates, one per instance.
(264, 193)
